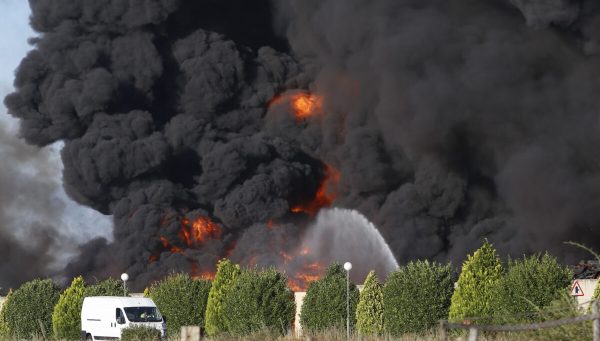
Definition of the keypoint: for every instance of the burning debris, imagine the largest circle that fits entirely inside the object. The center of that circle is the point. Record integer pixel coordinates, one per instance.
(587, 270)
(325, 195)
(212, 129)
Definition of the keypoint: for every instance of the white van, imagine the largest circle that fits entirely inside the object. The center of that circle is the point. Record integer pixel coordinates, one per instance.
(104, 317)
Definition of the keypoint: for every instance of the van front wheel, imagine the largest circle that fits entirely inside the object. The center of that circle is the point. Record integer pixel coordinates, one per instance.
(88, 337)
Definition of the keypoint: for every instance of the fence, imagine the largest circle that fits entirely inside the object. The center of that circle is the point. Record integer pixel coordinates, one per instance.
(474, 330)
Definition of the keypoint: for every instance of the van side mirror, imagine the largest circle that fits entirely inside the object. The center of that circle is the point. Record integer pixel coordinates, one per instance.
(164, 319)
(121, 320)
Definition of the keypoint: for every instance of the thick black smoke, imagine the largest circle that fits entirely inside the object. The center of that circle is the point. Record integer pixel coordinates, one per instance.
(450, 121)
(459, 120)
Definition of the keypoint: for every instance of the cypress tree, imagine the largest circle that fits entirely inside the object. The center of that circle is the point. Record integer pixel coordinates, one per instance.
(478, 285)
(369, 312)
(227, 273)
(66, 317)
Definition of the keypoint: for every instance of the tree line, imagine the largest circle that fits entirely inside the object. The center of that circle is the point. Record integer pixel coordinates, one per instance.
(242, 301)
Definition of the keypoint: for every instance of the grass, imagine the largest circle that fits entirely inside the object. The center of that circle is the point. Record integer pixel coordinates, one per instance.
(340, 335)
(579, 331)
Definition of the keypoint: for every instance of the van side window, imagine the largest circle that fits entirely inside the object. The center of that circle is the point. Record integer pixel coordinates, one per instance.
(120, 315)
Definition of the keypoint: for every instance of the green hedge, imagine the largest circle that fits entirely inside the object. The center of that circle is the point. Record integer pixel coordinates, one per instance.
(181, 299)
(30, 308)
(4, 329)
(215, 321)
(140, 333)
(477, 286)
(417, 296)
(530, 283)
(369, 312)
(66, 317)
(107, 287)
(325, 302)
(259, 301)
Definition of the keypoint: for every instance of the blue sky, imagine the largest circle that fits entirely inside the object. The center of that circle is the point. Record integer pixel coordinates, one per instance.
(28, 171)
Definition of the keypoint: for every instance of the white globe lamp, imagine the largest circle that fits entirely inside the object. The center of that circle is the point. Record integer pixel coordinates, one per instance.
(124, 278)
(347, 267)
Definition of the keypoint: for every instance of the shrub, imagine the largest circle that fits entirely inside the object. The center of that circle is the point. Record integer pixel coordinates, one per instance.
(417, 296)
(325, 302)
(66, 317)
(529, 285)
(268, 303)
(140, 333)
(107, 287)
(4, 330)
(565, 306)
(29, 311)
(477, 285)
(225, 277)
(181, 299)
(369, 312)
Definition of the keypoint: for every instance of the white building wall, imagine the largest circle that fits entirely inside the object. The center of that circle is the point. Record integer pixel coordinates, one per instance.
(587, 286)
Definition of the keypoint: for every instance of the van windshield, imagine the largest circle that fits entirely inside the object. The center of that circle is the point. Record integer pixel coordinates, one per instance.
(143, 314)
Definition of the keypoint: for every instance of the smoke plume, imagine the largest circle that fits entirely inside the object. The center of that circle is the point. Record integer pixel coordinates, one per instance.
(214, 128)
(28, 238)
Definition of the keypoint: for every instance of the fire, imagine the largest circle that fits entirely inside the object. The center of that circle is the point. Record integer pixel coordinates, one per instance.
(195, 233)
(205, 275)
(271, 225)
(306, 105)
(301, 266)
(308, 273)
(324, 196)
(303, 104)
(164, 241)
(191, 235)
(286, 257)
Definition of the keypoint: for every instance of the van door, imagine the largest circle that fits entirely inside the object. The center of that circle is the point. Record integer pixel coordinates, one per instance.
(121, 322)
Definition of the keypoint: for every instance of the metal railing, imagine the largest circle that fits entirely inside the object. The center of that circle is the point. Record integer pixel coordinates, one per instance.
(474, 329)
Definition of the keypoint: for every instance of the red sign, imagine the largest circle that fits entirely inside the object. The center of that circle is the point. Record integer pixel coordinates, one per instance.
(576, 289)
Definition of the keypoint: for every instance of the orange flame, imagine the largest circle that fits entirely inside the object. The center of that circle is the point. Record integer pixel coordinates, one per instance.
(164, 241)
(205, 275)
(303, 104)
(199, 231)
(324, 196)
(309, 273)
(286, 257)
(191, 234)
(306, 105)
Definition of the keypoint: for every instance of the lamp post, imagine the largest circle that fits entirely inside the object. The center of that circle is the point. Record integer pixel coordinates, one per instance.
(124, 278)
(347, 267)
